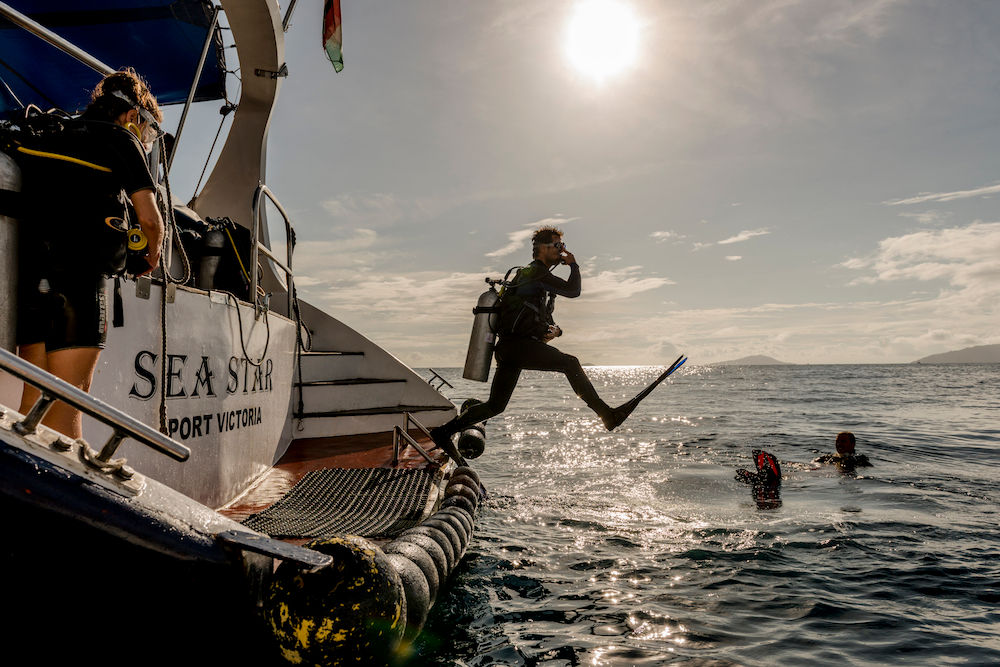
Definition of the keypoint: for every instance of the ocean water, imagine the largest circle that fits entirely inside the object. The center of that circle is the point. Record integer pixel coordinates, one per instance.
(639, 547)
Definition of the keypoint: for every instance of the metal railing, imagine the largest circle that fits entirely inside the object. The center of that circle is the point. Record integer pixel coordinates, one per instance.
(436, 377)
(256, 247)
(209, 36)
(401, 434)
(52, 38)
(53, 389)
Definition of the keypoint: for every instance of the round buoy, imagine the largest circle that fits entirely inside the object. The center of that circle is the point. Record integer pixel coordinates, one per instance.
(418, 594)
(472, 442)
(465, 480)
(460, 502)
(351, 611)
(438, 536)
(457, 540)
(462, 490)
(468, 403)
(421, 559)
(462, 515)
(466, 470)
(463, 533)
(432, 549)
(459, 518)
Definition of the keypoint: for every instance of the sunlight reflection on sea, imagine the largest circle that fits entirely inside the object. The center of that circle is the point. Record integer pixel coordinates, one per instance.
(639, 547)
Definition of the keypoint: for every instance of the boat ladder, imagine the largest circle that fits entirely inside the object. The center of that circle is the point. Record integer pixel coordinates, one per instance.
(401, 435)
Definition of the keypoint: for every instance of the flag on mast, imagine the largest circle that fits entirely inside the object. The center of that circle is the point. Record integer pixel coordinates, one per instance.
(332, 37)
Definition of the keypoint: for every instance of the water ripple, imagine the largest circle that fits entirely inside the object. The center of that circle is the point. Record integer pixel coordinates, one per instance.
(638, 547)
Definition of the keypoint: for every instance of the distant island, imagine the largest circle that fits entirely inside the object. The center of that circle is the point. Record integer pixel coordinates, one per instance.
(752, 360)
(980, 354)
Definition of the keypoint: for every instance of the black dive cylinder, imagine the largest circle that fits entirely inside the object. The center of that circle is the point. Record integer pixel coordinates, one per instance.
(483, 339)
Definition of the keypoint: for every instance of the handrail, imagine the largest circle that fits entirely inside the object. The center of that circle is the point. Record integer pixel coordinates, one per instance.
(256, 246)
(54, 388)
(52, 38)
(398, 433)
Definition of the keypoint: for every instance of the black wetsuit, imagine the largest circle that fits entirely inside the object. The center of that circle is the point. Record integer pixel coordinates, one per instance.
(67, 246)
(524, 321)
(845, 460)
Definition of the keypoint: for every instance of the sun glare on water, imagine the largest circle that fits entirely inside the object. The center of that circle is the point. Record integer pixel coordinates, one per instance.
(602, 38)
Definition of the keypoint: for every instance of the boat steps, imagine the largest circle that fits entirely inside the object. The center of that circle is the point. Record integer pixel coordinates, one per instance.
(363, 412)
(332, 423)
(331, 353)
(348, 381)
(323, 366)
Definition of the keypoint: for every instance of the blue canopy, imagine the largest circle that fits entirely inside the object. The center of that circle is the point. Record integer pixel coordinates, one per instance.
(161, 39)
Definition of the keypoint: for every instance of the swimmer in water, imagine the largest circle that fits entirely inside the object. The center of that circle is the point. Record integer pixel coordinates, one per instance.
(765, 483)
(846, 458)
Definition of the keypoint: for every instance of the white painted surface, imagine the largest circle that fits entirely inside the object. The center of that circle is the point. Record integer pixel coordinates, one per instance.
(229, 413)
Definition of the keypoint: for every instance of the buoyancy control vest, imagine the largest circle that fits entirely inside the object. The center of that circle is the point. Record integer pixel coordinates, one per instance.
(72, 199)
(525, 305)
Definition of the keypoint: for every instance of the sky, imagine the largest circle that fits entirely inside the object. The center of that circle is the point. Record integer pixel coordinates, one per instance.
(812, 181)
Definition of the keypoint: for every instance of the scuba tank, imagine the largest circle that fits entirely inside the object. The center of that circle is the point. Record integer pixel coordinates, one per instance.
(483, 338)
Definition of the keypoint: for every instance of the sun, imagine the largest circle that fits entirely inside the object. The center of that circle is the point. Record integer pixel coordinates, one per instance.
(602, 38)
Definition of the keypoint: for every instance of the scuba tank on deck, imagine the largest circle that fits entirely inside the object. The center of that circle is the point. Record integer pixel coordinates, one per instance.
(483, 338)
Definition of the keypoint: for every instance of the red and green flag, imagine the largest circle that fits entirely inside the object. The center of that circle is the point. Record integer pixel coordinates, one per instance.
(332, 38)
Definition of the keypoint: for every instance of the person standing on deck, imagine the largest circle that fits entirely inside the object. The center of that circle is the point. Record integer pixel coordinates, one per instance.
(525, 329)
(62, 304)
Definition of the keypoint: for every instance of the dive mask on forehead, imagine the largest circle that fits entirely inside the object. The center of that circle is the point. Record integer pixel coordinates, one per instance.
(151, 132)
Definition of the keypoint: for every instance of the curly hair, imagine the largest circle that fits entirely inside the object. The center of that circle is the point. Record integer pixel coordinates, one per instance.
(542, 235)
(104, 105)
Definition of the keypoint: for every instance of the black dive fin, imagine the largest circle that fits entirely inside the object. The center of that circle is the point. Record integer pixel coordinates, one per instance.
(622, 412)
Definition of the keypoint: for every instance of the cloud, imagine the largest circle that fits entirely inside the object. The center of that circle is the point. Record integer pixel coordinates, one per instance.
(734, 258)
(966, 258)
(662, 236)
(374, 210)
(745, 236)
(322, 261)
(928, 218)
(516, 240)
(925, 197)
(620, 284)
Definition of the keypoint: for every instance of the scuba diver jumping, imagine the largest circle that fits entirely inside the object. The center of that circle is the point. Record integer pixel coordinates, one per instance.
(524, 325)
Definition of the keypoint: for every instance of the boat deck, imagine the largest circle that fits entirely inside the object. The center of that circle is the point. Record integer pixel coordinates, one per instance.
(369, 450)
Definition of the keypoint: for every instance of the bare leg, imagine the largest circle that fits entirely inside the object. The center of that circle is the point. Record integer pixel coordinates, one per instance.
(33, 354)
(76, 366)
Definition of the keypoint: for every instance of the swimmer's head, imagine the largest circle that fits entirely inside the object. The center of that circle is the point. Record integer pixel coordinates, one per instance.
(845, 442)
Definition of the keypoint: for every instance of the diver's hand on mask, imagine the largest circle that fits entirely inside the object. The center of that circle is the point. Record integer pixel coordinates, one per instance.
(567, 257)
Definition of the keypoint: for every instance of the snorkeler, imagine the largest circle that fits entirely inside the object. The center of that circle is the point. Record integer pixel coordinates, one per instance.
(845, 458)
(765, 483)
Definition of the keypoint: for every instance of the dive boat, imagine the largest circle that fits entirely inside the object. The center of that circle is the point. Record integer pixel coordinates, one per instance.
(256, 482)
